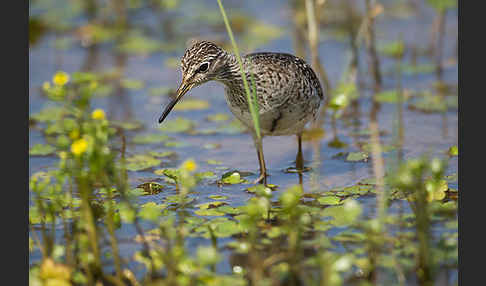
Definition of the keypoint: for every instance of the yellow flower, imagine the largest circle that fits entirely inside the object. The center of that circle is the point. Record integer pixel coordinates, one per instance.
(60, 78)
(79, 146)
(98, 114)
(50, 270)
(46, 85)
(189, 165)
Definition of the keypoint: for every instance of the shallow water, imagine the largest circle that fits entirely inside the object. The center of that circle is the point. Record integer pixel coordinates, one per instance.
(424, 133)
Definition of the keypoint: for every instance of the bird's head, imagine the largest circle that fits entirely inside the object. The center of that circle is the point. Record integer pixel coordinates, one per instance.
(203, 61)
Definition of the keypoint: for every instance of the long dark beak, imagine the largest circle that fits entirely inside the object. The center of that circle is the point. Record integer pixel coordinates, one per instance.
(183, 89)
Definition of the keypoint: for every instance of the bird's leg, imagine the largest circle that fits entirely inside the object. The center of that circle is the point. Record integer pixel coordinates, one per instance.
(261, 161)
(299, 160)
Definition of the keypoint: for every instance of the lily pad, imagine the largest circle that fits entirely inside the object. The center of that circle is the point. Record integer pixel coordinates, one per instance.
(159, 91)
(141, 162)
(232, 178)
(192, 104)
(150, 138)
(389, 96)
(218, 117)
(343, 214)
(151, 211)
(162, 154)
(329, 200)
(41, 150)
(214, 162)
(357, 157)
(205, 175)
(127, 125)
(131, 83)
(176, 144)
(177, 125)
(218, 197)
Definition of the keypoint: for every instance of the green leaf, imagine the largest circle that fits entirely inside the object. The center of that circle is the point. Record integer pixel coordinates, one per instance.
(343, 214)
(127, 125)
(357, 156)
(442, 4)
(131, 83)
(150, 138)
(151, 211)
(389, 96)
(49, 114)
(453, 151)
(218, 117)
(192, 104)
(207, 255)
(393, 49)
(329, 200)
(41, 150)
(218, 197)
(232, 178)
(177, 125)
(141, 162)
(159, 91)
(214, 162)
(161, 154)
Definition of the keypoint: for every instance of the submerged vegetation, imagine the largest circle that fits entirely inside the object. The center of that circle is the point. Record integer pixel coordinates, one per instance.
(121, 201)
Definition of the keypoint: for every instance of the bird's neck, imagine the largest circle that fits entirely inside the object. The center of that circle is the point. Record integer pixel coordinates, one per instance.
(230, 74)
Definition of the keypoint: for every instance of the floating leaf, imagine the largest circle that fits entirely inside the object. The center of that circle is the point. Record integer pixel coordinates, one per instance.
(161, 154)
(192, 104)
(232, 178)
(127, 125)
(137, 43)
(151, 211)
(150, 138)
(131, 83)
(343, 214)
(176, 144)
(41, 150)
(214, 162)
(393, 49)
(357, 156)
(218, 197)
(177, 125)
(389, 96)
(205, 175)
(218, 117)
(159, 91)
(329, 200)
(141, 162)
(418, 69)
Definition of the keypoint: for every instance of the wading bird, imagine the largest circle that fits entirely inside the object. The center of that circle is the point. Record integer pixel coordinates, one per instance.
(288, 91)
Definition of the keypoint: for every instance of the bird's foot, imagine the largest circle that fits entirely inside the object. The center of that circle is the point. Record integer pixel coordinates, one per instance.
(262, 177)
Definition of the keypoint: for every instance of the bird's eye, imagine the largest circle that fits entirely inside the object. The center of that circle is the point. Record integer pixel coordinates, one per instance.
(204, 67)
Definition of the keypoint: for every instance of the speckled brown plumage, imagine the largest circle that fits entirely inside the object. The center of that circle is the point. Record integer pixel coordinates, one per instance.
(288, 91)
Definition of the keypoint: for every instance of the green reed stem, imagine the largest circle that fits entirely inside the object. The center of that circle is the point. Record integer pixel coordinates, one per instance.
(252, 102)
